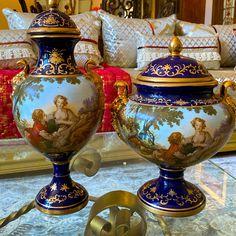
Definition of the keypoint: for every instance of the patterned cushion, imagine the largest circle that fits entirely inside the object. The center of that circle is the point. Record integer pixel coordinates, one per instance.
(119, 37)
(184, 28)
(90, 29)
(203, 49)
(87, 22)
(227, 43)
(15, 45)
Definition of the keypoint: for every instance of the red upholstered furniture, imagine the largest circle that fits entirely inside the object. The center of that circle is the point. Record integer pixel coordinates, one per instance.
(7, 125)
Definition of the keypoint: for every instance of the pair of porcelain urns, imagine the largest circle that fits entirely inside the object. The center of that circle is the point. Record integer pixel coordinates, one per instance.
(174, 120)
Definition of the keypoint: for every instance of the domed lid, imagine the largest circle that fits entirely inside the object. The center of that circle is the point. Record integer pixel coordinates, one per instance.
(175, 70)
(54, 22)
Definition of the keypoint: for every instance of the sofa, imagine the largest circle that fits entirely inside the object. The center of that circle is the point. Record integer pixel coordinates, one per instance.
(121, 48)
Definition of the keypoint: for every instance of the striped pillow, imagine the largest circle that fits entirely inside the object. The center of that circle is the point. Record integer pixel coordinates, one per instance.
(15, 45)
(87, 22)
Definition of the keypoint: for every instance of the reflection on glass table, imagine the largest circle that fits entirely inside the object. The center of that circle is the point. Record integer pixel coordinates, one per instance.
(218, 184)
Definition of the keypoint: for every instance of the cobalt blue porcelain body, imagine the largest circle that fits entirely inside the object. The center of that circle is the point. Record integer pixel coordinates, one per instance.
(57, 109)
(173, 120)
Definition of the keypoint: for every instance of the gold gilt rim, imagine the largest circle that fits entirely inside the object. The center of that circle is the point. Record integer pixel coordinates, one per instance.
(178, 84)
(173, 106)
(174, 212)
(171, 170)
(49, 30)
(174, 80)
(55, 76)
(61, 212)
(77, 36)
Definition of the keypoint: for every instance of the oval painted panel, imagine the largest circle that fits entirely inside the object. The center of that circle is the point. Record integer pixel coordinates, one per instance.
(56, 115)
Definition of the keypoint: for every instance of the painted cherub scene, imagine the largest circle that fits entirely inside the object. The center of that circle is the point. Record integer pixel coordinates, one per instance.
(173, 136)
(62, 128)
(181, 146)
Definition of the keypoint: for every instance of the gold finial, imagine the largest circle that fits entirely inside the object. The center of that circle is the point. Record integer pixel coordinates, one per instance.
(53, 4)
(175, 46)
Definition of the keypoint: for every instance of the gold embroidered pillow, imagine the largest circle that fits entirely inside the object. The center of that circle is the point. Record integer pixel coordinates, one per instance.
(15, 45)
(184, 28)
(18, 20)
(87, 22)
(203, 49)
(119, 37)
(227, 43)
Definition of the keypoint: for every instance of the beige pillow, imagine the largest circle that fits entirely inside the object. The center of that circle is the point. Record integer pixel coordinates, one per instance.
(203, 49)
(227, 44)
(119, 37)
(15, 45)
(184, 28)
(87, 22)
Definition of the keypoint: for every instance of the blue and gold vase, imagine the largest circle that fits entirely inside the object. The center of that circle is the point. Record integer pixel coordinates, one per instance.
(56, 108)
(175, 121)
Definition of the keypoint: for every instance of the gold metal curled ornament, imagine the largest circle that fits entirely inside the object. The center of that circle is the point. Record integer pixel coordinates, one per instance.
(126, 217)
(87, 162)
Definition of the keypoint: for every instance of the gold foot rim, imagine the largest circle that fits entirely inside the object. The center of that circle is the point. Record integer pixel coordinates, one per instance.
(178, 213)
(65, 211)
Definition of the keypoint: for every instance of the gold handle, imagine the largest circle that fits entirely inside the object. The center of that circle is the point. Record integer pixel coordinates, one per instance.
(97, 81)
(224, 93)
(118, 103)
(21, 76)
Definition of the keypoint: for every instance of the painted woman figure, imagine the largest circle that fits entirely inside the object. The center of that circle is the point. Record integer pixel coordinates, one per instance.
(201, 138)
(63, 116)
(60, 121)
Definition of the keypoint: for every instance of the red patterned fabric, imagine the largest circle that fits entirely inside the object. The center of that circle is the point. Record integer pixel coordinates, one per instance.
(118, 74)
(7, 125)
(109, 80)
(109, 75)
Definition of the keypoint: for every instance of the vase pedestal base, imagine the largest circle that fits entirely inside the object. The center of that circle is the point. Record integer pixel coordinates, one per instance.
(171, 195)
(63, 195)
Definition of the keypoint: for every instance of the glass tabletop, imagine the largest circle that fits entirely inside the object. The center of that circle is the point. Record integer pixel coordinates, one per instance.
(218, 217)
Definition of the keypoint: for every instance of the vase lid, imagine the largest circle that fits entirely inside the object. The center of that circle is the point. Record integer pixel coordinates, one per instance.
(53, 22)
(175, 70)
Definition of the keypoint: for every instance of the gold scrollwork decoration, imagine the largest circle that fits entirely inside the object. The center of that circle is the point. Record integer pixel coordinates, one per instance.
(224, 94)
(57, 198)
(122, 205)
(191, 197)
(43, 193)
(172, 71)
(56, 65)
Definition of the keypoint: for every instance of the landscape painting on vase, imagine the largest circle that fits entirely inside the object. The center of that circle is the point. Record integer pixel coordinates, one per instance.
(57, 120)
(176, 136)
